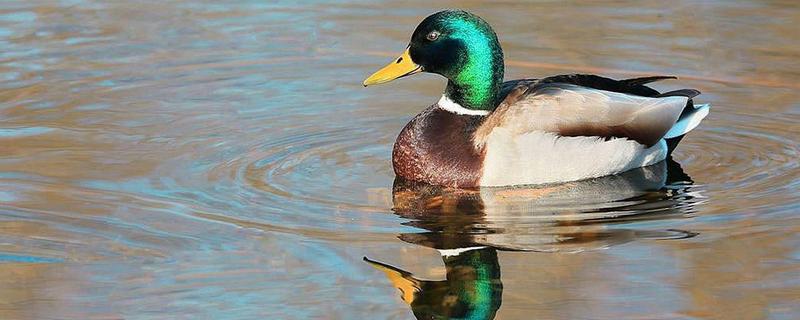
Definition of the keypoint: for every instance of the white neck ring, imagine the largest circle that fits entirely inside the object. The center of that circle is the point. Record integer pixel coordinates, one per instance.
(446, 104)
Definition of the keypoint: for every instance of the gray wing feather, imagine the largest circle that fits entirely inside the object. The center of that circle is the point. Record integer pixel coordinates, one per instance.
(571, 110)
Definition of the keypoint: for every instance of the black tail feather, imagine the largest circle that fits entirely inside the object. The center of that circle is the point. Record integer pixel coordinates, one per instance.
(646, 80)
(689, 93)
(672, 143)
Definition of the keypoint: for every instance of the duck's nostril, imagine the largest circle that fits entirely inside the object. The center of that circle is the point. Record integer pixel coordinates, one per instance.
(399, 60)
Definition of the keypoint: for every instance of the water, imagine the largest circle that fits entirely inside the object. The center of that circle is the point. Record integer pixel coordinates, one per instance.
(222, 161)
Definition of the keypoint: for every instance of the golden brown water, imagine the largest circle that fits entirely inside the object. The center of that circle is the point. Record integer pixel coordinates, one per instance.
(203, 160)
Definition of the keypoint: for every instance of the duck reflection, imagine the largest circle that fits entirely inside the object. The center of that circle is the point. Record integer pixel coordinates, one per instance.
(567, 217)
(469, 226)
(471, 290)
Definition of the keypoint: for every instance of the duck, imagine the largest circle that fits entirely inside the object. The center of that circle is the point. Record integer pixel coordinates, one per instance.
(487, 132)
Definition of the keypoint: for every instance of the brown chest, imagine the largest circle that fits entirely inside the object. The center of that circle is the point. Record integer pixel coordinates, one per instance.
(436, 147)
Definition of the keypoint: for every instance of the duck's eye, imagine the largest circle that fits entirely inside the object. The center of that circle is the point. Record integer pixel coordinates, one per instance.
(432, 36)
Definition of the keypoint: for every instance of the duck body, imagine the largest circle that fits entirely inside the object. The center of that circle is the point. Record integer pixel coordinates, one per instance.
(557, 129)
(485, 132)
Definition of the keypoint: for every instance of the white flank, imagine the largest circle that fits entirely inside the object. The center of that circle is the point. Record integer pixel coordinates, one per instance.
(539, 157)
(446, 104)
(457, 251)
(689, 122)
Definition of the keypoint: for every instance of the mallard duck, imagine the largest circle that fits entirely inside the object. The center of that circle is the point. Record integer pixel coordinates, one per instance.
(486, 132)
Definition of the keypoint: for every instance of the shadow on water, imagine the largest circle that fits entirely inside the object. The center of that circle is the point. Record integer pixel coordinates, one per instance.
(468, 227)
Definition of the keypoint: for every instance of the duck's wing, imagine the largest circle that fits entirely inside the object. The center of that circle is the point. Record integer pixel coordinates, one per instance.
(634, 86)
(586, 105)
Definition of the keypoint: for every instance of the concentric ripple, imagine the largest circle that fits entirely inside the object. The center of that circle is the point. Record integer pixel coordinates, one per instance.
(753, 153)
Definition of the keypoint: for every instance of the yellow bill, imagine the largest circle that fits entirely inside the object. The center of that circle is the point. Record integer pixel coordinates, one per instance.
(400, 67)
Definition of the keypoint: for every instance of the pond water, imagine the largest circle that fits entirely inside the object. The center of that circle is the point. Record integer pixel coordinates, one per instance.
(188, 160)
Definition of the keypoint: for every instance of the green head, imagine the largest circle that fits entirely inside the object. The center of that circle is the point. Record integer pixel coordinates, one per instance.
(459, 46)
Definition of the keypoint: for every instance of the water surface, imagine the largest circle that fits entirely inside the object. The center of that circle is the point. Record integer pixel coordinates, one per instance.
(199, 159)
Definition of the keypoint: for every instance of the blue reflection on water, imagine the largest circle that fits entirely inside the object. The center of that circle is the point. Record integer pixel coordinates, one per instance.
(5, 257)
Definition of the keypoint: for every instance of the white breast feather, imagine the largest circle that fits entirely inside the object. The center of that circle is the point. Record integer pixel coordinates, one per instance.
(539, 157)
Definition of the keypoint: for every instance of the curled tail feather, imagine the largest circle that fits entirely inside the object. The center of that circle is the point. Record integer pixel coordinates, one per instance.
(689, 119)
